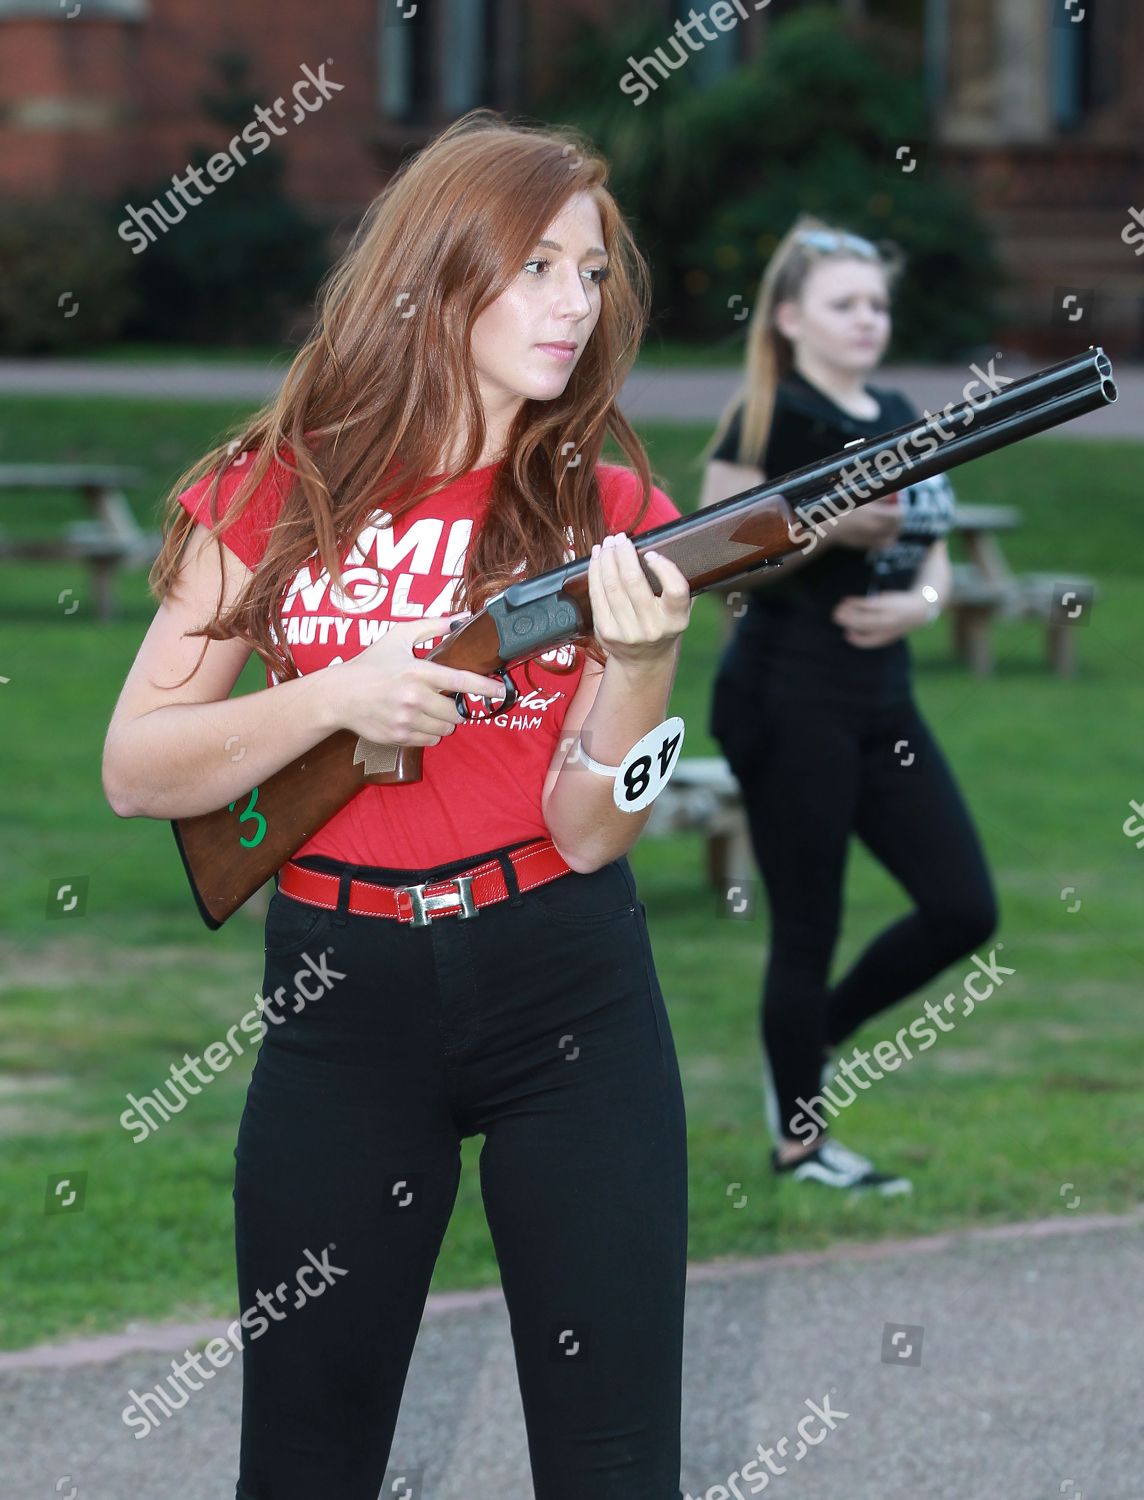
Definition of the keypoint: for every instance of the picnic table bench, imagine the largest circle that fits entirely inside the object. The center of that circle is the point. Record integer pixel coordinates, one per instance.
(702, 795)
(111, 539)
(985, 589)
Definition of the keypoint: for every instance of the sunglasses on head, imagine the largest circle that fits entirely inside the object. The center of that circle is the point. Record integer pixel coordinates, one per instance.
(831, 242)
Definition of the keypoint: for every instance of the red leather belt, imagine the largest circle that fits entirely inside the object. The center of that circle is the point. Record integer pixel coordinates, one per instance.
(453, 895)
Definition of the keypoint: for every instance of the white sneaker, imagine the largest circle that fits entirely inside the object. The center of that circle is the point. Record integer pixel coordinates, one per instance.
(835, 1166)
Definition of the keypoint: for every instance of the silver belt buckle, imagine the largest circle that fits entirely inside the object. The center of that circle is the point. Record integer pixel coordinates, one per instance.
(422, 904)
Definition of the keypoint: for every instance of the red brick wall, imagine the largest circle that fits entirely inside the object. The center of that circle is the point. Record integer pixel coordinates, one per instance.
(136, 84)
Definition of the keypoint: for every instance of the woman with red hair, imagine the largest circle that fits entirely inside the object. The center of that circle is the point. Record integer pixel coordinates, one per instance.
(438, 435)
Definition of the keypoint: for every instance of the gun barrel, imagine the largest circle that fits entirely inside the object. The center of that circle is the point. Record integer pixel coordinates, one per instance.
(1033, 404)
(537, 612)
(728, 540)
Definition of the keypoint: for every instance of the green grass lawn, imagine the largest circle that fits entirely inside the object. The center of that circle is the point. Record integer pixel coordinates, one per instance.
(655, 351)
(185, 354)
(1031, 1107)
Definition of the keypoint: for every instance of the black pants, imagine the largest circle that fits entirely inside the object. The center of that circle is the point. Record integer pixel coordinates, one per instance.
(538, 1023)
(815, 766)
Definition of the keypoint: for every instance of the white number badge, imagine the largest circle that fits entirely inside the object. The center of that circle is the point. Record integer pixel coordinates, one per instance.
(646, 769)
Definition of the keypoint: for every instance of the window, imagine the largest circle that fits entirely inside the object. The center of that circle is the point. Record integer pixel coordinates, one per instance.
(465, 47)
(435, 63)
(1070, 78)
(404, 38)
(714, 59)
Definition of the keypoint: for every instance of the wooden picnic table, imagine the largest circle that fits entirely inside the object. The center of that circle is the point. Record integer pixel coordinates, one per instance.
(978, 526)
(985, 589)
(109, 540)
(982, 584)
(703, 795)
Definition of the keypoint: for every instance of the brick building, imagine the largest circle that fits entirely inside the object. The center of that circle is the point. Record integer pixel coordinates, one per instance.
(1038, 104)
(1043, 115)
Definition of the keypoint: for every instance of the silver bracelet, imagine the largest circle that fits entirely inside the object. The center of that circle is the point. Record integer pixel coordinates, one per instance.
(933, 602)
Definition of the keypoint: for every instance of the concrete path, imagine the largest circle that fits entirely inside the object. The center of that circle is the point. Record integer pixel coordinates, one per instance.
(684, 395)
(996, 1362)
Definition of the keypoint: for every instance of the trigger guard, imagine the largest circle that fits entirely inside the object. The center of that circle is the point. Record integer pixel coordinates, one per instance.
(510, 698)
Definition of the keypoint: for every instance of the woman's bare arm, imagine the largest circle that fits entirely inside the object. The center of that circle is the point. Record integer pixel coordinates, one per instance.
(871, 525)
(937, 571)
(174, 752)
(721, 480)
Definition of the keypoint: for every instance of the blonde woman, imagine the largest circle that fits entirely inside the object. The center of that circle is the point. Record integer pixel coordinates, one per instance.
(438, 435)
(814, 709)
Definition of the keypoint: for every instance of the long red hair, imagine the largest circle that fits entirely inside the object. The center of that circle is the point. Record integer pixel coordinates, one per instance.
(387, 371)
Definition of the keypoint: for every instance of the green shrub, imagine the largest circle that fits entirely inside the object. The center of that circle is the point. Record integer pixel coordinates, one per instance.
(712, 176)
(64, 282)
(242, 263)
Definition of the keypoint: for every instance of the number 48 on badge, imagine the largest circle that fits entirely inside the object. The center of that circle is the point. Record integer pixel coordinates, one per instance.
(647, 767)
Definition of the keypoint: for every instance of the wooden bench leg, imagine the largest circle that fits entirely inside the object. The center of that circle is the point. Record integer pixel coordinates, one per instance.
(958, 634)
(717, 876)
(976, 629)
(730, 855)
(741, 855)
(103, 570)
(1062, 648)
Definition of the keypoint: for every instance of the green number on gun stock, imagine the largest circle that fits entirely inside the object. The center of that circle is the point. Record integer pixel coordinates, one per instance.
(249, 812)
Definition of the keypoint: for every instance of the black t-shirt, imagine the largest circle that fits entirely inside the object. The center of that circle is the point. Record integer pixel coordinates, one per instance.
(790, 616)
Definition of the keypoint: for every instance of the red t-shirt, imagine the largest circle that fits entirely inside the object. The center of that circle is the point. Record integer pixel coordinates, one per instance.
(481, 786)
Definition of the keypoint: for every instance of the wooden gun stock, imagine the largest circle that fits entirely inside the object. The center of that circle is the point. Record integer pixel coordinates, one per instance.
(231, 853)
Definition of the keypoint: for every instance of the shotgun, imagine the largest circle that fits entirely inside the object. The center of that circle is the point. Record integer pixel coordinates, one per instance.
(231, 853)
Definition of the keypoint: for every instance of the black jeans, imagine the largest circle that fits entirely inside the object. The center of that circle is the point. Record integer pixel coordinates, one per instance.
(815, 766)
(538, 1023)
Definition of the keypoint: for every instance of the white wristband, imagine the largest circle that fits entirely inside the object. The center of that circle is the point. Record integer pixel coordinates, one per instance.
(579, 753)
(645, 770)
(933, 602)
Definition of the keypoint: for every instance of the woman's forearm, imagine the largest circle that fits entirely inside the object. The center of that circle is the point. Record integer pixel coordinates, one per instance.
(190, 758)
(586, 825)
(937, 572)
